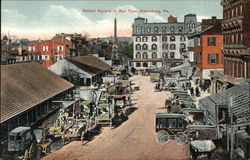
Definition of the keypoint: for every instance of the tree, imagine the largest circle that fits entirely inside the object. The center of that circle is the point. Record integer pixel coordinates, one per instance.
(128, 50)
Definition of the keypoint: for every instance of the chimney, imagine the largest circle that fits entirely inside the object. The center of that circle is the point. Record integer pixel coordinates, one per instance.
(172, 19)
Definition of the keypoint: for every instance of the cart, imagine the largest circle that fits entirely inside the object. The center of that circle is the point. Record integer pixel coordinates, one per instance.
(170, 126)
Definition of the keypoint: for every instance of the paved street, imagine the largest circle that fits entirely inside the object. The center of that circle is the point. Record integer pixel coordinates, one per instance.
(134, 139)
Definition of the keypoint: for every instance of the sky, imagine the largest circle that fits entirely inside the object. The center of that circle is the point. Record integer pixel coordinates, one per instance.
(34, 19)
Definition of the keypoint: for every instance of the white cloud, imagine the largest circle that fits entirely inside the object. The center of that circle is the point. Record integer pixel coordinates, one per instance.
(199, 18)
(59, 18)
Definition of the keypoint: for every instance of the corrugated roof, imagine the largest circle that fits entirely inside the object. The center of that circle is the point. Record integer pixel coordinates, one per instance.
(241, 101)
(90, 64)
(24, 85)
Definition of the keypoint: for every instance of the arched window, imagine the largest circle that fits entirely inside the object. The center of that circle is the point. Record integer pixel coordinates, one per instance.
(182, 39)
(172, 55)
(164, 46)
(138, 39)
(145, 64)
(138, 47)
(145, 55)
(148, 29)
(138, 55)
(145, 47)
(145, 39)
(172, 46)
(180, 29)
(164, 29)
(172, 29)
(164, 39)
(154, 47)
(154, 55)
(138, 64)
(154, 39)
(172, 38)
(183, 45)
(156, 29)
(165, 55)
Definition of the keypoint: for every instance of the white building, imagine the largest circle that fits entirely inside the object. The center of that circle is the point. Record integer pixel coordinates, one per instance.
(157, 43)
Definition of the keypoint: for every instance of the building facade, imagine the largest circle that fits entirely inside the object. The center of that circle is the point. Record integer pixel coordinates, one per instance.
(207, 48)
(157, 43)
(236, 31)
(49, 51)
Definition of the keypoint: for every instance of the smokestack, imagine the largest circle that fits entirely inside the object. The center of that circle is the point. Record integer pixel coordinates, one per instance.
(115, 31)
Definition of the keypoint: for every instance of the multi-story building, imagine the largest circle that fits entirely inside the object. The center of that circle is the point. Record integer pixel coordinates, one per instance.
(208, 43)
(49, 51)
(236, 31)
(157, 43)
(236, 49)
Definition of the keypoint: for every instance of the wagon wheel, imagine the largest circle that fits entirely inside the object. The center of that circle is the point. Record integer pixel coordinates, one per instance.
(92, 96)
(26, 155)
(181, 138)
(162, 137)
(33, 151)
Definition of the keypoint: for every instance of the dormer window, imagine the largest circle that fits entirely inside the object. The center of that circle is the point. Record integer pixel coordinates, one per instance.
(156, 29)
(148, 29)
(172, 29)
(164, 29)
(138, 29)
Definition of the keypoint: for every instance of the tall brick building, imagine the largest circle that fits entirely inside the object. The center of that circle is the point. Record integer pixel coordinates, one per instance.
(236, 31)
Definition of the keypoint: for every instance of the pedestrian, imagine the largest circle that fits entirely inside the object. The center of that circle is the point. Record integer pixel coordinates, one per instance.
(85, 137)
(197, 92)
(192, 91)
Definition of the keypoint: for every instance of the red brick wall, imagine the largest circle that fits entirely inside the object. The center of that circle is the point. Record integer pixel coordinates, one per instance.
(206, 49)
(51, 52)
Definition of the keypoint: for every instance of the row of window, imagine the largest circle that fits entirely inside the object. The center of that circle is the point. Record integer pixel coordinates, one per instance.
(233, 38)
(213, 58)
(157, 29)
(164, 39)
(154, 55)
(233, 12)
(45, 48)
(154, 46)
(144, 64)
(211, 41)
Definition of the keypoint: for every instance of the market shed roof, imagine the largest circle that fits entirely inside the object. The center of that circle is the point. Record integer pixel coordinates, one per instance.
(90, 64)
(24, 85)
(241, 101)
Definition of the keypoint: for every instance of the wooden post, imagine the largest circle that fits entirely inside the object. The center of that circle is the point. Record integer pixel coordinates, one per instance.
(232, 129)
